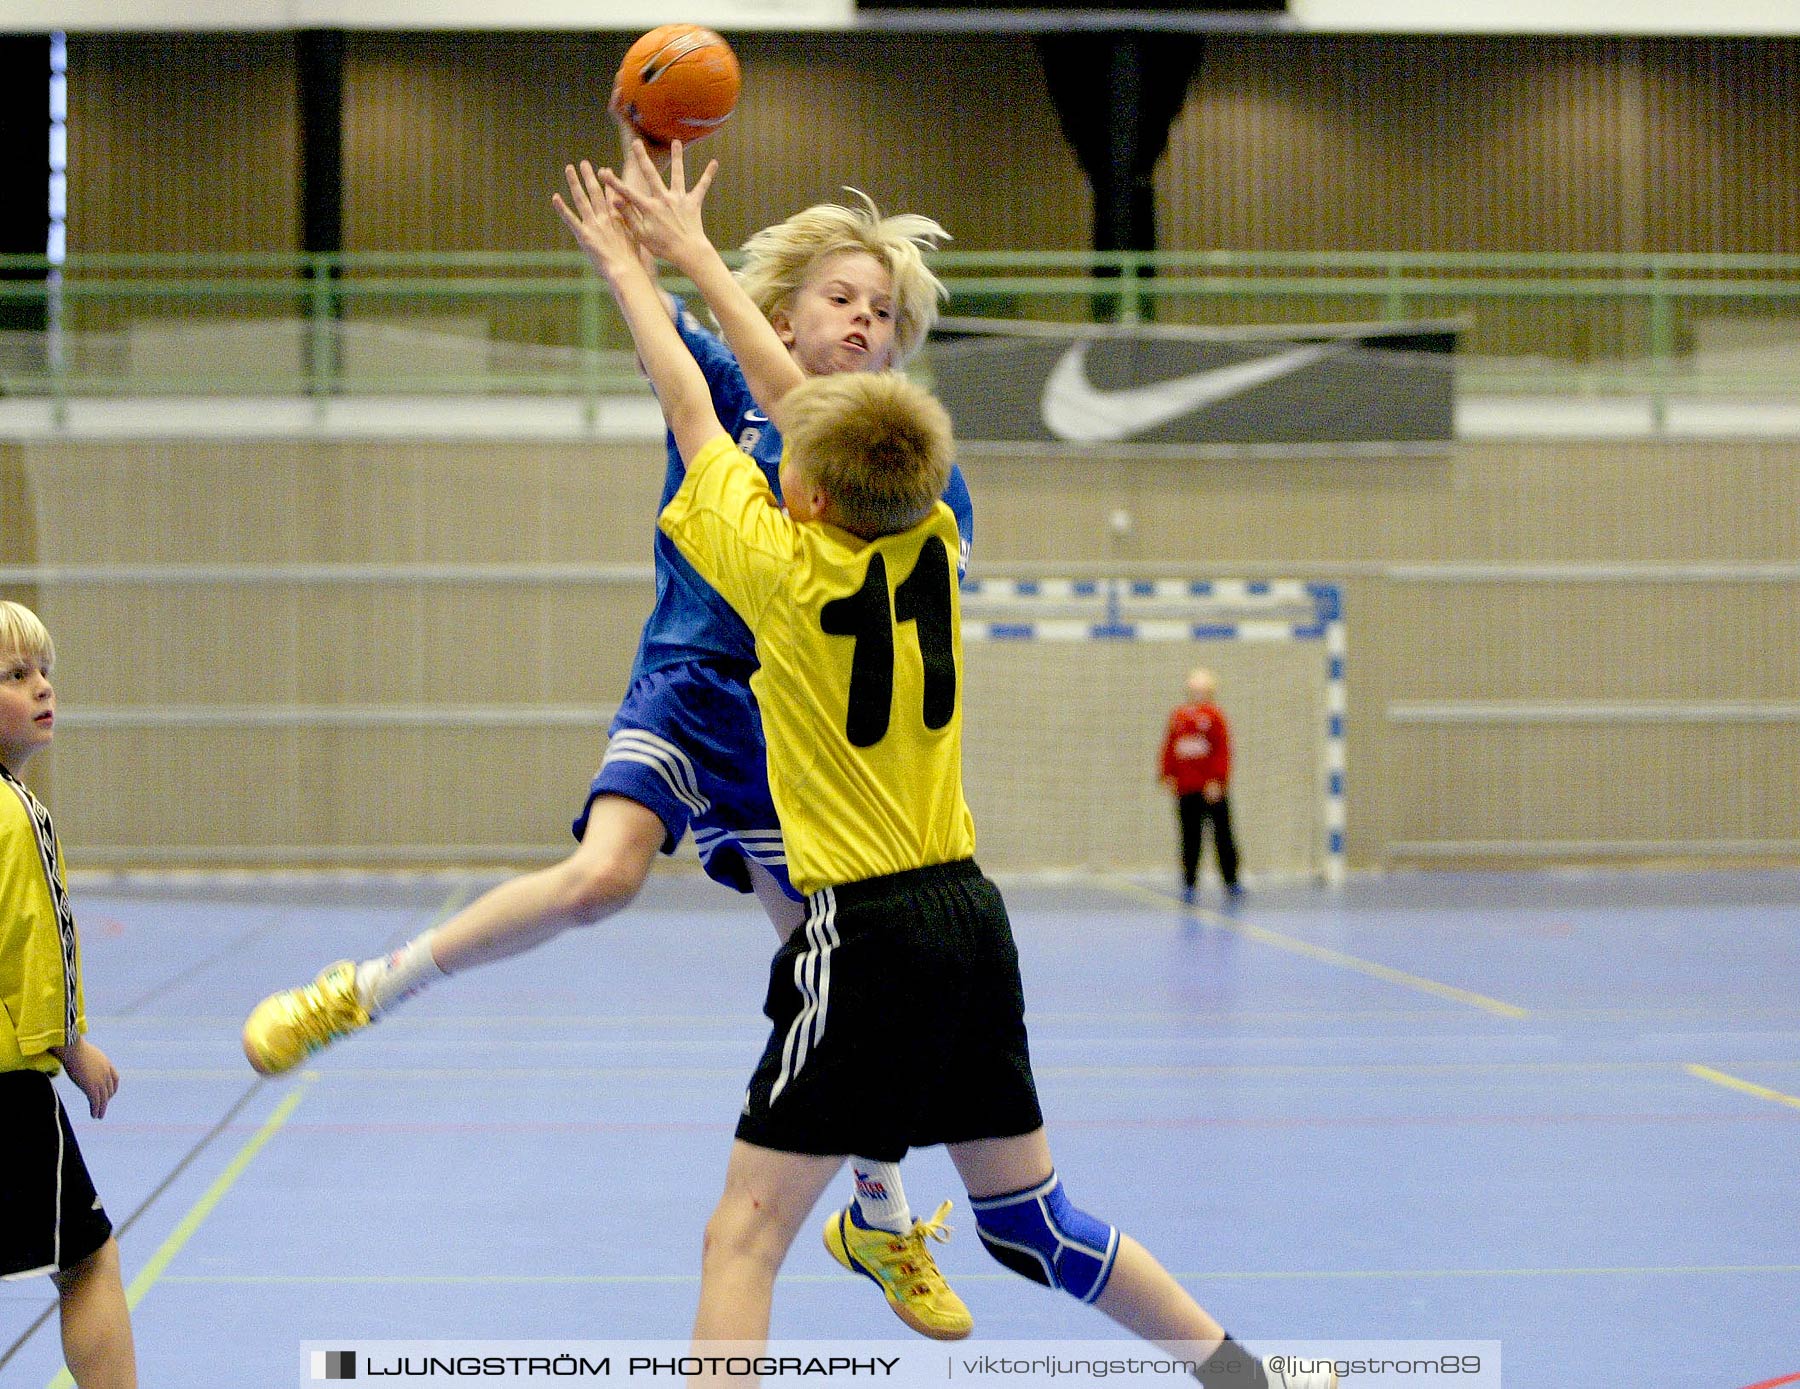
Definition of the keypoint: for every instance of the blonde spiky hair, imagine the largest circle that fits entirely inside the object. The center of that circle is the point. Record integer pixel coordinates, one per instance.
(778, 258)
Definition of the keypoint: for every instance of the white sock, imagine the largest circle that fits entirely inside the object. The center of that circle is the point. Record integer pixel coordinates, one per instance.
(881, 1196)
(380, 984)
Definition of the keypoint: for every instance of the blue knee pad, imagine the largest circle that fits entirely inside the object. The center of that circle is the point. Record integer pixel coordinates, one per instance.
(1039, 1233)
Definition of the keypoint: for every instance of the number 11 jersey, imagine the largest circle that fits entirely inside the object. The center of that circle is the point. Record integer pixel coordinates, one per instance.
(860, 681)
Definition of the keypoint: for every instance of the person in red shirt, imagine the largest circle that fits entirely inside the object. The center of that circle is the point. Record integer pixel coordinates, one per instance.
(1196, 767)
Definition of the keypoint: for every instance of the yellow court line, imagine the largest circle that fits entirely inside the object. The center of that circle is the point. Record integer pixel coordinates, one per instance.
(196, 1217)
(454, 901)
(1749, 1087)
(1294, 945)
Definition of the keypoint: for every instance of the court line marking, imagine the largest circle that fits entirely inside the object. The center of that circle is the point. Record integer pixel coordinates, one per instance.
(1240, 1275)
(459, 893)
(196, 1217)
(152, 1271)
(1101, 1072)
(1295, 946)
(200, 966)
(123, 1227)
(1748, 1087)
(472, 1022)
(459, 896)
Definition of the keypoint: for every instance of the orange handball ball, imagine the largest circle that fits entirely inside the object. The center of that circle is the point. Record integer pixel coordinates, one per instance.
(678, 82)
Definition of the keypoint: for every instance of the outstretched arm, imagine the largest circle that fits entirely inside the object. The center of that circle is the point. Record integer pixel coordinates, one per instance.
(680, 386)
(629, 171)
(666, 219)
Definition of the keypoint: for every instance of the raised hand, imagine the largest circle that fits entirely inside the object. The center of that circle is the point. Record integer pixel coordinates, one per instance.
(665, 218)
(591, 214)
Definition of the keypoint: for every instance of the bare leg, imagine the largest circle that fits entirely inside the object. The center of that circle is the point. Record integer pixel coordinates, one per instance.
(1143, 1297)
(601, 877)
(96, 1325)
(768, 1196)
(1140, 1295)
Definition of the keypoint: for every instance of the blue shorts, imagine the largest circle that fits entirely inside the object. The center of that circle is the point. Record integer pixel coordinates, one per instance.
(687, 744)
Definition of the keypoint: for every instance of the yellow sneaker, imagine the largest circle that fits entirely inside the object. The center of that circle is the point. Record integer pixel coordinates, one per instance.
(902, 1266)
(286, 1028)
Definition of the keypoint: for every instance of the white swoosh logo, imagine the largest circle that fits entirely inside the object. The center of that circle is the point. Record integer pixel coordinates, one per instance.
(1076, 410)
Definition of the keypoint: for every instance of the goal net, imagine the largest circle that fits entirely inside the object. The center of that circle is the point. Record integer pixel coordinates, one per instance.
(1069, 685)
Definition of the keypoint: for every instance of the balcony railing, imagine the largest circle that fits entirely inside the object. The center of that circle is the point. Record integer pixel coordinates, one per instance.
(538, 323)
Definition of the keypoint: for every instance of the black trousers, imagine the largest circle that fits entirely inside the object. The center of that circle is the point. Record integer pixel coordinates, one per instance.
(1196, 813)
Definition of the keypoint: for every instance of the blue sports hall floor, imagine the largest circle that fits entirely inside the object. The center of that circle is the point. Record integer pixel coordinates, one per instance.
(1559, 1112)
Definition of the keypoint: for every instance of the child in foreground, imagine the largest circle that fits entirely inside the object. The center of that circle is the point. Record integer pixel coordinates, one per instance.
(51, 1221)
(851, 595)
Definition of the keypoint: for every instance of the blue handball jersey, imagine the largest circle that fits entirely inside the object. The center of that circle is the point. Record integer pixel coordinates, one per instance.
(691, 622)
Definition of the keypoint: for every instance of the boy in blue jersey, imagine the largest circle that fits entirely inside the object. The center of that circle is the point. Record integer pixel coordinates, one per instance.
(846, 290)
(848, 584)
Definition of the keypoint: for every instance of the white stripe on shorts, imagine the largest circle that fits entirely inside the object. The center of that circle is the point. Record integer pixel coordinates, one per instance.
(55, 1211)
(56, 1118)
(812, 976)
(662, 757)
(765, 846)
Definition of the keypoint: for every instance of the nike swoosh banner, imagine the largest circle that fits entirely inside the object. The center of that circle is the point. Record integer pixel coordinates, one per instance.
(1009, 381)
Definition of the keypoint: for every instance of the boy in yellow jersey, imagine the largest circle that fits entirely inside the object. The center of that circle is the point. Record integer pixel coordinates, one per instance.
(851, 594)
(50, 1219)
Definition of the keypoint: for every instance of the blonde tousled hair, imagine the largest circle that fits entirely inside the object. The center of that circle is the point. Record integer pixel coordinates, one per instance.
(778, 259)
(877, 444)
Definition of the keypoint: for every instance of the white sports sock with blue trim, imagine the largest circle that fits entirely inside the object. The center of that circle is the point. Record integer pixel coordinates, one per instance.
(382, 983)
(881, 1196)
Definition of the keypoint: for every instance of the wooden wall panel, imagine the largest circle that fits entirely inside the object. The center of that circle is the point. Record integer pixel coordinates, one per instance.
(458, 145)
(453, 141)
(1722, 135)
(1288, 142)
(360, 797)
(286, 503)
(959, 128)
(1423, 650)
(1516, 501)
(341, 501)
(1589, 785)
(456, 142)
(19, 545)
(1503, 144)
(183, 143)
(1499, 144)
(1536, 642)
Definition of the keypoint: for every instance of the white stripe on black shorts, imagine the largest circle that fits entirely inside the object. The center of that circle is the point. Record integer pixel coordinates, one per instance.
(50, 1218)
(898, 1021)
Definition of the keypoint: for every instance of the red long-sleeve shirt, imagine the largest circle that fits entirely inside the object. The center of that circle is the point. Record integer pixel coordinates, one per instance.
(1197, 748)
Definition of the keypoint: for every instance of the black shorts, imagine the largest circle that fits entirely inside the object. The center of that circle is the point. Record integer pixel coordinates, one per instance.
(50, 1217)
(899, 1022)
